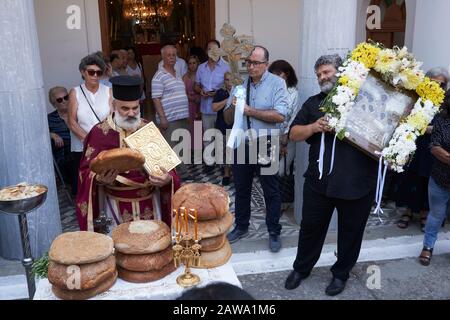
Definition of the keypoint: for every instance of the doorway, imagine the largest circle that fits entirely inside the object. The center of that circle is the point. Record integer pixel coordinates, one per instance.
(187, 22)
(393, 23)
(148, 25)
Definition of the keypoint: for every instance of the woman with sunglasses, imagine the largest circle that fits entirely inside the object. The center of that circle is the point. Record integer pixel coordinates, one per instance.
(60, 135)
(89, 103)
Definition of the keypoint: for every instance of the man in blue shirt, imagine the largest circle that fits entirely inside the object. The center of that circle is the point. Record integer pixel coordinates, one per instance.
(266, 107)
(209, 80)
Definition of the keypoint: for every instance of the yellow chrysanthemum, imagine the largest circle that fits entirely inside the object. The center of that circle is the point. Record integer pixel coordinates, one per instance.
(385, 61)
(411, 79)
(431, 90)
(419, 122)
(354, 85)
(343, 80)
(366, 54)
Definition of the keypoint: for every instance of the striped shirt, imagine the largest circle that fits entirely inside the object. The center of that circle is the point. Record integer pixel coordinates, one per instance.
(172, 92)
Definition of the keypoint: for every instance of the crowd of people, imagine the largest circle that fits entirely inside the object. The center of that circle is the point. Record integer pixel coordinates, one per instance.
(200, 90)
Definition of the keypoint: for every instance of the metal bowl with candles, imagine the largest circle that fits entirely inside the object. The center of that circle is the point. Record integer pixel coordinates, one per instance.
(22, 198)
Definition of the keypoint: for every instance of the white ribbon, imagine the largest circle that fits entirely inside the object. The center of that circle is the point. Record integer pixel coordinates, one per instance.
(332, 154)
(380, 187)
(157, 211)
(321, 154)
(238, 126)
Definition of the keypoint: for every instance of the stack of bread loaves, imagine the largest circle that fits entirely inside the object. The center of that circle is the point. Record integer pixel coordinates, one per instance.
(81, 265)
(143, 251)
(212, 204)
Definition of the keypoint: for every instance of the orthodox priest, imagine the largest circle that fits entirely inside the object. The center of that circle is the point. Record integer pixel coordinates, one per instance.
(134, 195)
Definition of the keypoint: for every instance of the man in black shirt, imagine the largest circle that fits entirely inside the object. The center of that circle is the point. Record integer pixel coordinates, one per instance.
(348, 186)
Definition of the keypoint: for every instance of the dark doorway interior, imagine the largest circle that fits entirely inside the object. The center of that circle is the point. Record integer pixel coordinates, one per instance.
(149, 24)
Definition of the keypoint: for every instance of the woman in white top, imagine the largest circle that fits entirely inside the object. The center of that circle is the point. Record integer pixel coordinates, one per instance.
(284, 70)
(134, 68)
(89, 103)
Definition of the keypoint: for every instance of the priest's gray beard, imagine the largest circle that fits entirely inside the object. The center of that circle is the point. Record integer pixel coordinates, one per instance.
(128, 123)
(327, 85)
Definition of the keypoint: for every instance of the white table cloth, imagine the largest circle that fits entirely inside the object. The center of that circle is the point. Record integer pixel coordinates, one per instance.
(164, 289)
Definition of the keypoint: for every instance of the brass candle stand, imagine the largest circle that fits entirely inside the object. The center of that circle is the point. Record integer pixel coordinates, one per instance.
(186, 249)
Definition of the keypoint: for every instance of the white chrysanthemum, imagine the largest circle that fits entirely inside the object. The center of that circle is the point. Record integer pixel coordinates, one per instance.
(333, 122)
(343, 96)
(403, 53)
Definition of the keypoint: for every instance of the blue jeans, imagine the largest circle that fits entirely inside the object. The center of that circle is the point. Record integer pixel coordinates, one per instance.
(438, 198)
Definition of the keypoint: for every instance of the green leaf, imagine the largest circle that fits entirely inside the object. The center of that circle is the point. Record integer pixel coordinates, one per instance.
(40, 267)
(341, 135)
(389, 2)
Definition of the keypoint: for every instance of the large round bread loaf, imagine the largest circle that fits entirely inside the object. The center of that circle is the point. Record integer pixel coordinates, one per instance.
(213, 228)
(210, 200)
(85, 294)
(217, 258)
(142, 237)
(144, 277)
(91, 275)
(213, 244)
(144, 262)
(80, 247)
(121, 159)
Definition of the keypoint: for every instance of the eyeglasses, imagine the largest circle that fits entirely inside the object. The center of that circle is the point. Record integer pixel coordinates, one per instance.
(60, 100)
(250, 63)
(92, 73)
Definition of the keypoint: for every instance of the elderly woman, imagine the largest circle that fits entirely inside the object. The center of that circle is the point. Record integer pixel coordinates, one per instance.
(412, 190)
(439, 187)
(89, 103)
(60, 135)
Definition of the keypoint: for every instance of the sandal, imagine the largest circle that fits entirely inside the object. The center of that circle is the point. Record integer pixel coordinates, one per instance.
(404, 221)
(425, 256)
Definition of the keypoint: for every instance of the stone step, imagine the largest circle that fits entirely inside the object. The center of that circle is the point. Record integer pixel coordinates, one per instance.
(13, 288)
(264, 261)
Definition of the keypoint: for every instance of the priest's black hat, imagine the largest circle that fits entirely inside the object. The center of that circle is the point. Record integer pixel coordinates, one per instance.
(126, 88)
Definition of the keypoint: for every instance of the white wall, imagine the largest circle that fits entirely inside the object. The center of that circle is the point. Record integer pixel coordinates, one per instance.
(361, 20)
(61, 49)
(430, 41)
(273, 24)
(410, 22)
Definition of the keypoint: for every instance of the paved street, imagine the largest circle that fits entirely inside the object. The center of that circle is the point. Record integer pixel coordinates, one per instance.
(402, 279)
